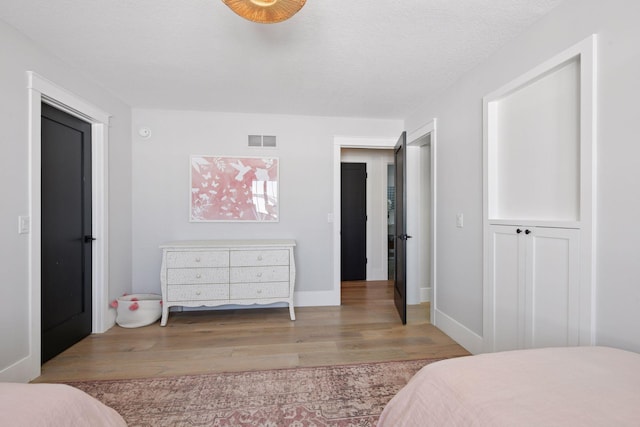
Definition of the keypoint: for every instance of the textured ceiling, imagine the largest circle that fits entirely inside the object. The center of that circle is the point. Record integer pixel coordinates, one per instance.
(354, 58)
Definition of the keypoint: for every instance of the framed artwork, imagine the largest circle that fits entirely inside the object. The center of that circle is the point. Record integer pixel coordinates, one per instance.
(233, 189)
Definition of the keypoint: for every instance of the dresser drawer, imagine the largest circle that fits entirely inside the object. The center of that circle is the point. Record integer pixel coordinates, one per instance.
(259, 257)
(197, 259)
(194, 276)
(219, 291)
(259, 274)
(259, 290)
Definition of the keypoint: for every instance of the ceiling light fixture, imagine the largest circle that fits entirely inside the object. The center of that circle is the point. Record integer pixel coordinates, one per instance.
(265, 11)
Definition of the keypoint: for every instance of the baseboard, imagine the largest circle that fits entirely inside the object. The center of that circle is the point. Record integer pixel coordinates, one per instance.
(468, 339)
(22, 371)
(110, 320)
(316, 298)
(425, 294)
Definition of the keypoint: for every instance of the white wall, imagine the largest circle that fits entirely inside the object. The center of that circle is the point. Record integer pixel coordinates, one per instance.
(377, 224)
(305, 150)
(20, 55)
(459, 113)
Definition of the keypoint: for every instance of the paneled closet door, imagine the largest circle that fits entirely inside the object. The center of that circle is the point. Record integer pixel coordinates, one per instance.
(535, 283)
(552, 287)
(507, 279)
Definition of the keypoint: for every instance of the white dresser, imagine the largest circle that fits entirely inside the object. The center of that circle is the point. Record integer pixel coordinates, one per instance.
(217, 272)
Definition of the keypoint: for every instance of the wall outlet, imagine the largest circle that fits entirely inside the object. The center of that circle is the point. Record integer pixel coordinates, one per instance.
(24, 224)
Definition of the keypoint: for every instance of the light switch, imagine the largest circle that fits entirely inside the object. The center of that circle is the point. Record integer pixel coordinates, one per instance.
(459, 220)
(24, 224)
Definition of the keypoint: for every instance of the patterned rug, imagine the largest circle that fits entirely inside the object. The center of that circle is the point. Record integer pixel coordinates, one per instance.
(351, 395)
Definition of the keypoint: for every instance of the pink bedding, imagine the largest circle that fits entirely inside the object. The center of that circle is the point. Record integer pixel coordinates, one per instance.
(575, 386)
(52, 405)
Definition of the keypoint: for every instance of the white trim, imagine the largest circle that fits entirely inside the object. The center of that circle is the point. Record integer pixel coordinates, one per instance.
(464, 336)
(316, 298)
(364, 142)
(586, 52)
(42, 90)
(422, 131)
(416, 135)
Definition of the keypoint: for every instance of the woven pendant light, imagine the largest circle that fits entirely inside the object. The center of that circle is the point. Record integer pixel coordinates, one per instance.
(265, 11)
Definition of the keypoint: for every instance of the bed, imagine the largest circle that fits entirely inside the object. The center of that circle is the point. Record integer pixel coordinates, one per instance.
(574, 386)
(53, 405)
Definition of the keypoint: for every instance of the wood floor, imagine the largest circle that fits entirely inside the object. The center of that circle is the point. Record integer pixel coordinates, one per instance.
(365, 328)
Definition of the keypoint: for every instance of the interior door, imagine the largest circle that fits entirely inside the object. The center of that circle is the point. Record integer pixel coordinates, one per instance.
(400, 282)
(353, 220)
(66, 231)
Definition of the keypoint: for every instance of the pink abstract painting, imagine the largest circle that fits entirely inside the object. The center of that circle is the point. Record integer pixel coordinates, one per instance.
(234, 189)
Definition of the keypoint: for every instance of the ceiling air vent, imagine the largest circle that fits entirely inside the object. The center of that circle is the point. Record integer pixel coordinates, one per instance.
(262, 141)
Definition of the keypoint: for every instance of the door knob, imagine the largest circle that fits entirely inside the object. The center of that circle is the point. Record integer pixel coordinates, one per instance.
(89, 239)
(518, 231)
(527, 232)
(404, 236)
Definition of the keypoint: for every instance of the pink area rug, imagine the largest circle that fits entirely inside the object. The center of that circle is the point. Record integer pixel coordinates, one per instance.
(350, 395)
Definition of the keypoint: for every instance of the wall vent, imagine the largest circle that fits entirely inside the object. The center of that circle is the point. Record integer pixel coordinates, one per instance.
(268, 141)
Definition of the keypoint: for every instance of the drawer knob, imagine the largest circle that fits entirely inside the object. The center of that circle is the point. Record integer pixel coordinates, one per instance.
(197, 292)
(198, 276)
(259, 291)
(259, 275)
(198, 259)
(259, 257)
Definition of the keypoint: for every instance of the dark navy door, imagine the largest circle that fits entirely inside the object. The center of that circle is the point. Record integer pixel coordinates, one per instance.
(66, 231)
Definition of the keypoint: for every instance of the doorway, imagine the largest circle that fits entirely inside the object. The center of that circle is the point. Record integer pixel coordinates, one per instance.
(416, 286)
(42, 90)
(372, 197)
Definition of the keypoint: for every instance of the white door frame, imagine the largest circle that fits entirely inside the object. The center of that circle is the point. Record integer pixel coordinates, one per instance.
(416, 140)
(42, 90)
(340, 142)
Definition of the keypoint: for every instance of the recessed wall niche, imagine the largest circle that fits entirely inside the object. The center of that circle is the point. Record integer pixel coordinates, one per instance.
(534, 148)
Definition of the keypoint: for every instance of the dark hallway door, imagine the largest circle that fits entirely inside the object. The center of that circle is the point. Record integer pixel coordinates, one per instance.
(353, 220)
(400, 283)
(66, 231)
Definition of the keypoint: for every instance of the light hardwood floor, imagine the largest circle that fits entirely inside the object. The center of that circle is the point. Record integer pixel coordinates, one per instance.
(365, 328)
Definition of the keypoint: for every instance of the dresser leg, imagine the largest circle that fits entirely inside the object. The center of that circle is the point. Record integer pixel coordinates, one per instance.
(292, 314)
(165, 315)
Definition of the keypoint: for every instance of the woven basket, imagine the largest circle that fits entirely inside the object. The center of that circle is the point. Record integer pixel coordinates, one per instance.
(136, 310)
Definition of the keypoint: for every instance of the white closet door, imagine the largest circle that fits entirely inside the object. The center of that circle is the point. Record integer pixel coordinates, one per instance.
(552, 288)
(507, 258)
